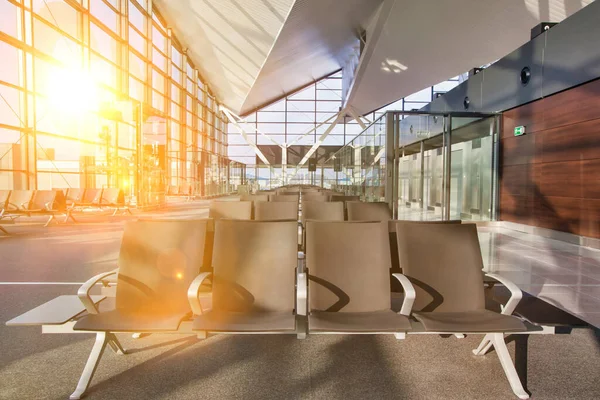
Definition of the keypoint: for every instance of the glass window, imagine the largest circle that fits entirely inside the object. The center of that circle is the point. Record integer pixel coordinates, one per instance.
(105, 14)
(136, 17)
(10, 109)
(176, 74)
(103, 43)
(305, 94)
(10, 68)
(175, 93)
(176, 56)
(158, 80)
(9, 19)
(423, 95)
(137, 41)
(60, 14)
(137, 66)
(159, 59)
(159, 39)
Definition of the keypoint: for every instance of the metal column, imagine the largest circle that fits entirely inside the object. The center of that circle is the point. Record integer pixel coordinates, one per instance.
(447, 167)
(390, 152)
(422, 180)
(495, 128)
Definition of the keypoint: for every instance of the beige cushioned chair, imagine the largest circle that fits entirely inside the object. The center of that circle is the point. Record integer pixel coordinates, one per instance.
(294, 198)
(276, 211)
(444, 264)
(253, 281)
(322, 211)
(157, 262)
(349, 282)
(254, 197)
(359, 211)
(315, 197)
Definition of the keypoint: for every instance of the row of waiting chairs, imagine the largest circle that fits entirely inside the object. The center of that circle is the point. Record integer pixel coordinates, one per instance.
(256, 284)
(17, 203)
(296, 198)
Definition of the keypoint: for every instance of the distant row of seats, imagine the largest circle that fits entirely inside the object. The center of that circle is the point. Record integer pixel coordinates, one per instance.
(183, 190)
(111, 198)
(254, 288)
(17, 203)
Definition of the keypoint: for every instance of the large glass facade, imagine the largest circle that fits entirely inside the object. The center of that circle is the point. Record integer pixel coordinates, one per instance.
(99, 93)
(297, 122)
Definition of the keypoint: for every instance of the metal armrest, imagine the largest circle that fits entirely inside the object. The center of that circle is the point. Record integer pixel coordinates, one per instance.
(194, 290)
(515, 294)
(302, 294)
(84, 290)
(409, 294)
(48, 205)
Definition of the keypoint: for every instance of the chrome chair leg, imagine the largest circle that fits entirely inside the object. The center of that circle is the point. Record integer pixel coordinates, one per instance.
(102, 338)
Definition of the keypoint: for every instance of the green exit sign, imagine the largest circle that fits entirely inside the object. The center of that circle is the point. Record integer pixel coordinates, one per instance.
(519, 130)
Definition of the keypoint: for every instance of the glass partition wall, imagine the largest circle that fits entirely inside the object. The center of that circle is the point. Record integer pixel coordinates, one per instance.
(427, 166)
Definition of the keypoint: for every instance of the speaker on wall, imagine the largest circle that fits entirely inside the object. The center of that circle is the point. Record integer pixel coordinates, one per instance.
(312, 165)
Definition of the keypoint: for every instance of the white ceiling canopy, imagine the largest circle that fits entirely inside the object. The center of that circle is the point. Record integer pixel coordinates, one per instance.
(228, 40)
(253, 52)
(416, 44)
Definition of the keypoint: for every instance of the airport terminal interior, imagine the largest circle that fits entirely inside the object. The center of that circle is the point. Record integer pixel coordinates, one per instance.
(299, 199)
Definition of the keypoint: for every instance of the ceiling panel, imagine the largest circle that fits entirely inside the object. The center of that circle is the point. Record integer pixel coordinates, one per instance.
(428, 41)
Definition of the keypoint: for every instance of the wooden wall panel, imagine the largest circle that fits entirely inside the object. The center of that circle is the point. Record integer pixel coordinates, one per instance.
(573, 142)
(550, 177)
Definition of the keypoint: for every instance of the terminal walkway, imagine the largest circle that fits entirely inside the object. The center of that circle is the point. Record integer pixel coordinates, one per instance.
(259, 367)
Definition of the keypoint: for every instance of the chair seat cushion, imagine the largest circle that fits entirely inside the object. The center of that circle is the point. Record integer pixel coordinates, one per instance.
(483, 321)
(358, 322)
(120, 320)
(245, 322)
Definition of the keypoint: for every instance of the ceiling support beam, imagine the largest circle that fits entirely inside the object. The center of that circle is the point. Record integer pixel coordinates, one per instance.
(242, 132)
(353, 114)
(318, 143)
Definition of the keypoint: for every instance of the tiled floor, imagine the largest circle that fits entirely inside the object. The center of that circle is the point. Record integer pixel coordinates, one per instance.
(563, 274)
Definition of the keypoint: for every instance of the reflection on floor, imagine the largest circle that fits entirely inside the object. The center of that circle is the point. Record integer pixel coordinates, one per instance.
(563, 274)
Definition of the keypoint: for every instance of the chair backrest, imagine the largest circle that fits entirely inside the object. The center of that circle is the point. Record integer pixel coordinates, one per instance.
(359, 211)
(230, 210)
(113, 196)
(284, 197)
(20, 200)
(254, 197)
(341, 197)
(276, 211)
(315, 197)
(4, 196)
(254, 266)
(157, 262)
(444, 264)
(319, 211)
(392, 224)
(92, 196)
(43, 200)
(75, 195)
(349, 266)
